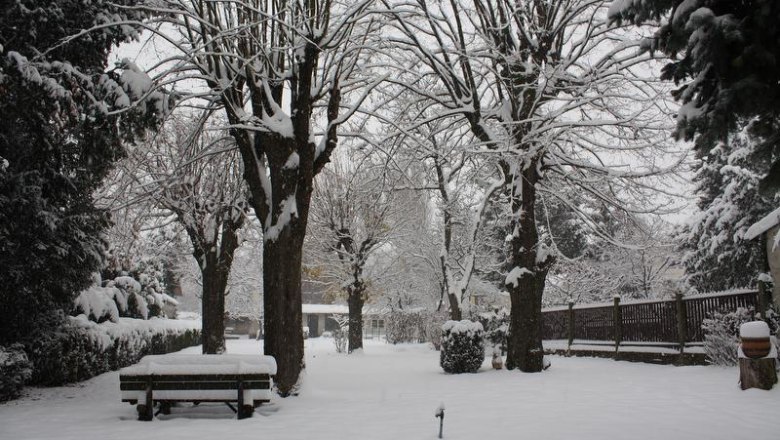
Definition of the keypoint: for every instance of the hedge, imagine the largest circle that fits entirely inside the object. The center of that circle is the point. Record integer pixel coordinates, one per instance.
(82, 349)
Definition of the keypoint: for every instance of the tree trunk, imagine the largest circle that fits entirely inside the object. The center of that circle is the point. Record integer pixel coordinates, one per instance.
(215, 261)
(757, 373)
(524, 343)
(283, 326)
(213, 311)
(355, 302)
(455, 313)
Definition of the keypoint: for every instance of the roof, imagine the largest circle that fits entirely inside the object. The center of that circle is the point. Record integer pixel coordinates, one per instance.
(770, 221)
(337, 309)
(325, 308)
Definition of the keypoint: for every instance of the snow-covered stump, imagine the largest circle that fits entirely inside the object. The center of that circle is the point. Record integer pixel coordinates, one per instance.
(757, 357)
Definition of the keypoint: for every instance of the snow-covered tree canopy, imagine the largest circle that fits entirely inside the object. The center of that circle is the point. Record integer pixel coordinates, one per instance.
(727, 67)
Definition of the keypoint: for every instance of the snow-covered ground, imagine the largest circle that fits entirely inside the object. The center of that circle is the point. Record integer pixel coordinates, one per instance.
(392, 392)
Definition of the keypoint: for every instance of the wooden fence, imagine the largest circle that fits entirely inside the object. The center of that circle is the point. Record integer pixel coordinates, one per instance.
(674, 321)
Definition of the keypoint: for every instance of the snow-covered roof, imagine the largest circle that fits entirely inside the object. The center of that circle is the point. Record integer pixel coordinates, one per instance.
(763, 225)
(325, 308)
(338, 309)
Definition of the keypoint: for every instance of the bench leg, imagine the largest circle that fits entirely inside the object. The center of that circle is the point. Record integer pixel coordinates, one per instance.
(165, 408)
(244, 411)
(146, 411)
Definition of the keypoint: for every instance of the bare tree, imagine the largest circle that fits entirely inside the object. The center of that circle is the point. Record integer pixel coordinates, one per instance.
(356, 217)
(287, 75)
(460, 182)
(558, 97)
(189, 173)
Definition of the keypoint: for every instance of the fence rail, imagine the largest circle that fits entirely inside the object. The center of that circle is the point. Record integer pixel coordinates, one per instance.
(674, 321)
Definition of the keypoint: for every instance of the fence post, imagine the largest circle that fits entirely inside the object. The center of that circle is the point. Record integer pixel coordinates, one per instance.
(570, 322)
(762, 299)
(682, 318)
(617, 317)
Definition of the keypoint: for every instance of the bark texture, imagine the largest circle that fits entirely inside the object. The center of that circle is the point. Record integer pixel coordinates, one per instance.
(524, 343)
(355, 302)
(757, 373)
(283, 328)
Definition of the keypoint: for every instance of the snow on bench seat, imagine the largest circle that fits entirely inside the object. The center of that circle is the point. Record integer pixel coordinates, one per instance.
(245, 379)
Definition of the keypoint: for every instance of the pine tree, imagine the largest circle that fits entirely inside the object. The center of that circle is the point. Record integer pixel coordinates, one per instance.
(727, 71)
(717, 256)
(58, 139)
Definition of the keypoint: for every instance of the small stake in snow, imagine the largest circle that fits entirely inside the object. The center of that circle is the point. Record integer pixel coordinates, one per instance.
(440, 415)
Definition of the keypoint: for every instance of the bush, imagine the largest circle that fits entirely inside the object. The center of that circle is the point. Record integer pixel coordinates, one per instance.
(82, 349)
(462, 346)
(413, 326)
(721, 333)
(340, 335)
(340, 340)
(15, 371)
(433, 329)
(496, 325)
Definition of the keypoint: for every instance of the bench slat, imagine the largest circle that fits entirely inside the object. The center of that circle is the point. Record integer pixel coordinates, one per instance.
(193, 377)
(188, 385)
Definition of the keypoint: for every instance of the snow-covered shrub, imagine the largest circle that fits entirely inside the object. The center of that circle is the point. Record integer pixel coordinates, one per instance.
(496, 325)
(462, 346)
(340, 335)
(15, 371)
(82, 349)
(156, 303)
(121, 297)
(136, 300)
(97, 304)
(721, 334)
(340, 340)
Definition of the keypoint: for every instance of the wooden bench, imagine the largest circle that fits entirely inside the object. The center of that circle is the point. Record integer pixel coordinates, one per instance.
(165, 379)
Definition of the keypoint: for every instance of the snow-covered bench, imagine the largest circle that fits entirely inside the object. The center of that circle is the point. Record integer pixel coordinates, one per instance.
(165, 379)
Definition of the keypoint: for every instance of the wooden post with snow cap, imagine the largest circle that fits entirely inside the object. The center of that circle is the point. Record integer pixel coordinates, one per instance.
(617, 318)
(757, 357)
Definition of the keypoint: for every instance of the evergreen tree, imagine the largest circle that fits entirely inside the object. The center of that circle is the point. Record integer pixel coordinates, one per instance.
(728, 70)
(717, 256)
(58, 139)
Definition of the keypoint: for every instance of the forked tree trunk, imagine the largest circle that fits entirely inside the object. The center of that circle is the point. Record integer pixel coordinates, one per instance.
(216, 260)
(355, 302)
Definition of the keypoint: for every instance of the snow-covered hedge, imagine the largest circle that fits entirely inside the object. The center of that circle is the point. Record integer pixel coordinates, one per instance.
(15, 370)
(82, 348)
(462, 346)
